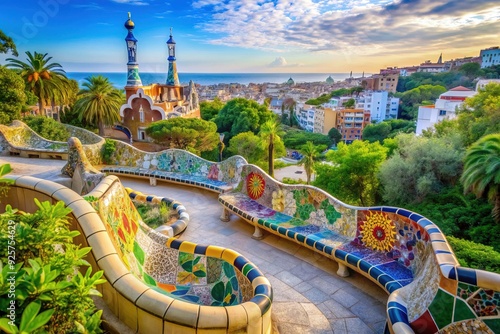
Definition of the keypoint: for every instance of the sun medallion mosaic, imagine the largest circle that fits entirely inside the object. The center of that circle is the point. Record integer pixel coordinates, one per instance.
(255, 185)
(378, 232)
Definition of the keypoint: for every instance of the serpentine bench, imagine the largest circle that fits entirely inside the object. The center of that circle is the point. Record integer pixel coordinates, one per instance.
(177, 166)
(156, 284)
(20, 139)
(401, 251)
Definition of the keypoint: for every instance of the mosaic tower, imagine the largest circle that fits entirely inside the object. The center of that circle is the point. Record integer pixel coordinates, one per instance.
(133, 78)
(172, 77)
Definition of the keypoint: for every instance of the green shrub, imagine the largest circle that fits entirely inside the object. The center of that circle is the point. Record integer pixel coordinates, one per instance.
(41, 262)
(289, 180)
(108, 149)
(474, 255)
(154, 215)
(47, 128)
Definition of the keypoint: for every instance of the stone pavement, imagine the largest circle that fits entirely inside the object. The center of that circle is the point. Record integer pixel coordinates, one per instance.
(308, 296)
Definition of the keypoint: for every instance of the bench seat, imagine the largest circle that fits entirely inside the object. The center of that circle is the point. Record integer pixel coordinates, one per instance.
(389, 273)
(188, 179)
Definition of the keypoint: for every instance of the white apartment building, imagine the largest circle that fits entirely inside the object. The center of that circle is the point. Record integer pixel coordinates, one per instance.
(316, 119)
(490, 56)
(444, 108)
(379, 104)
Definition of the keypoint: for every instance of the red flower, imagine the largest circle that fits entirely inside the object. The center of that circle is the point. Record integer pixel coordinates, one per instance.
(255, 185)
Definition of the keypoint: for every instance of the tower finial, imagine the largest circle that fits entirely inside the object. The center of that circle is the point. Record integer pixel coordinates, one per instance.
(129, 15)
(170, 31)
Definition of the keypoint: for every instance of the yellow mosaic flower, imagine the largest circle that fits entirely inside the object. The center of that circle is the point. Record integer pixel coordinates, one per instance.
(255, 185)
(278, 200)
(378, 232)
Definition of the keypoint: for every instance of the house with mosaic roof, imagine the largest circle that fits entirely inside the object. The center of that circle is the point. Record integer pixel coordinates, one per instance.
(154, 102)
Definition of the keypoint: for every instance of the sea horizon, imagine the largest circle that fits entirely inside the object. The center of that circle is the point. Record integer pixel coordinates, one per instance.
(119, 79)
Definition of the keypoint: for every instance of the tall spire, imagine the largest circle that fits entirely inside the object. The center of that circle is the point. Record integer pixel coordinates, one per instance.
(133, 78)
(440, 59)
(172, 77)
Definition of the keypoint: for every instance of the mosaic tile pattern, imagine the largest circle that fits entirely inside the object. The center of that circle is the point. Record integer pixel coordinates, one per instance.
(192, 277)
(467, 327)
(179, 162)
(21, 137)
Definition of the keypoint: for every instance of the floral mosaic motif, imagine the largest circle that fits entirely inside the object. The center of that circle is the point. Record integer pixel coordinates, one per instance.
(485, 303)
(378, 231)
(255, 185)
(278, 201)
(464, 290)
(193, 270)
(303, 202)
(225, 293)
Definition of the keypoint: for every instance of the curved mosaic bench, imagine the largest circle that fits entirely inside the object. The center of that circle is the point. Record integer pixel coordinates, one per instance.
(169, 230)
(18, 138)
(177, 166)
(156, 284)
(401, 251)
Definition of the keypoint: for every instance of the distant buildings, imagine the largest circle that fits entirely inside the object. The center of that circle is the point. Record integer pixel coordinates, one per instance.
(490, 57)
(386, 80)
(444, 108)
(317, 119)
(351, 123)
(155, 102)
(380, 106)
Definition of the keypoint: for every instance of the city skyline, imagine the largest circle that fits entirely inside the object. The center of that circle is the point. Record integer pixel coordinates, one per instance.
(301, 36)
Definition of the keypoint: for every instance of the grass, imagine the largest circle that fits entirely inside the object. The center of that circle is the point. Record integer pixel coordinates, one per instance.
(154, 215)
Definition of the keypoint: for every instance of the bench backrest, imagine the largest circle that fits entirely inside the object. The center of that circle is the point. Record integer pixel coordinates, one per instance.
(179, 161)
(145, 254)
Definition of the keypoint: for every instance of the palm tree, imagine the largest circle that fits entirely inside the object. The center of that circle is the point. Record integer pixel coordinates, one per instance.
(99, 102)
(41, 77)
(482, 170)
(309, 154)
(271, 132)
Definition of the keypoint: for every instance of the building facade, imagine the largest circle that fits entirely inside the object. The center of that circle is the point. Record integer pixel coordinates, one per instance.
(490, 56)
(380, 106)
(445, 108)
(155, 102)
(351, 123)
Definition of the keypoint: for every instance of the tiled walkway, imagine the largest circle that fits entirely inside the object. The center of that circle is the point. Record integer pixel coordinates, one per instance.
(308, 296)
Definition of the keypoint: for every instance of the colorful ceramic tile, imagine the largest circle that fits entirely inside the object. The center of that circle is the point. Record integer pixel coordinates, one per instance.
(442, 315)
(485, 303)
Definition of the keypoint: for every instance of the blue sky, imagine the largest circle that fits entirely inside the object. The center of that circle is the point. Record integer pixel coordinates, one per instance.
(324, 36)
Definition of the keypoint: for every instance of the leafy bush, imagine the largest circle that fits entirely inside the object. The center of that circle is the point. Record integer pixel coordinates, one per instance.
(296, 139)
(108, 149)
(47, 128)
(289, 180)
(39, 249)
(474, 255)
(154, 215)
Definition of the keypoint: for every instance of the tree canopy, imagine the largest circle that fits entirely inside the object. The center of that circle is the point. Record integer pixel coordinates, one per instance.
(419, 167)
(352, 174)
(241, 115)
(387, 129)
(48, 128)
(248, 145)
(335, 135)
(210, 109)
(413, 98)
(192, 134)
(12, 96)
(295, 139)
(7, 44)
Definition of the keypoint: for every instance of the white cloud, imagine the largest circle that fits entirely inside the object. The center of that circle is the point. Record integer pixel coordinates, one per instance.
(350, 27)
(278, 62)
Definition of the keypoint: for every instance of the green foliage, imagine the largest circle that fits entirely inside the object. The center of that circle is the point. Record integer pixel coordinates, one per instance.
(241, 115)
(46, 80)
(210, 109)
(4, 183)
(289, 180)
(387, 129)
(47, 281)
(99, 102)
(249, 146)
(108, 149)
(449, 80)
(71, 116)
(413, 98)
(192, 134)
(471, 70)
(349, 103)
(324, 98)
(420, 166)
(271, 133)
(47, 128)
(482, 170)
(480, 114)
(473, 255)
(7, 44)
(12, 95)
(309, 154)
(279, 164)
(335, 135)
(295, 139)
(154, 215)
(352, 174)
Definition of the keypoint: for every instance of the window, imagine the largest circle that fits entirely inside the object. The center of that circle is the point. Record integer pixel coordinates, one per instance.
(442, 112)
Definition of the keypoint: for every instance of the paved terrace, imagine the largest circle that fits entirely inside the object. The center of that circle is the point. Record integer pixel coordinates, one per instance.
(308, 296)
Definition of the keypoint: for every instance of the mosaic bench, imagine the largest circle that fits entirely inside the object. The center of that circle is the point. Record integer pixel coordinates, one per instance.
(156, 284)
(176, 166)
(399, 250)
